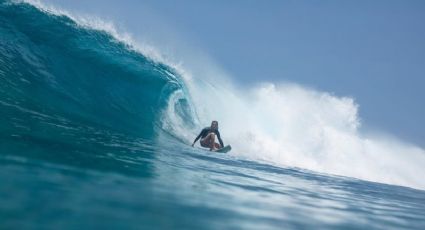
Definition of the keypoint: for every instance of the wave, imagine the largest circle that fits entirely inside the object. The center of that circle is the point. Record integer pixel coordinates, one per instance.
(55, 69)
(64, 77)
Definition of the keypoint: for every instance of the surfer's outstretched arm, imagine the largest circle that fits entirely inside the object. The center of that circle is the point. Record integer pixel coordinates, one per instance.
(219, 140)
(197, 138)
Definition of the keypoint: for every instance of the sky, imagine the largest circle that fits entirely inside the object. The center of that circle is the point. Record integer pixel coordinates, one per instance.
(373, 51)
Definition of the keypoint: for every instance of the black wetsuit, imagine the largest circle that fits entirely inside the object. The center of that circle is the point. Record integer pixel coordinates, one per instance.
(206, 131)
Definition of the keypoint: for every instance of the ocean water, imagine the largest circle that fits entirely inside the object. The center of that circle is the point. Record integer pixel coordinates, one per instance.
(94, 134)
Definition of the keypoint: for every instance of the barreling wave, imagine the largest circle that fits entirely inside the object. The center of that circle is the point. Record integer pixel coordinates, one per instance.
(59, 78)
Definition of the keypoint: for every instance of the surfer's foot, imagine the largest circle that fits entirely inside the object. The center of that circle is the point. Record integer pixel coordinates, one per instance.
(213, 149)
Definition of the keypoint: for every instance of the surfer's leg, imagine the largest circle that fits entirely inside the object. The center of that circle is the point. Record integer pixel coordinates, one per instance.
(209, 142)
(212, 141)
(205, 142)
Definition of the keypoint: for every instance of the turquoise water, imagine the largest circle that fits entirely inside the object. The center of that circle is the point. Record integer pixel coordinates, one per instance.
(82, 145)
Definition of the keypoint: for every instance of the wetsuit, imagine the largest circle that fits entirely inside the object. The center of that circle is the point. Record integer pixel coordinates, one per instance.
(206, 131)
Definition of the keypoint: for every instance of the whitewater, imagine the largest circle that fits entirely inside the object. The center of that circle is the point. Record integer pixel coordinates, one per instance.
(97, 127)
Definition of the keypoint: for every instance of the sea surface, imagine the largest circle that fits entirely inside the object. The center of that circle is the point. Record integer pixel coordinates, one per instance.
(84, 145)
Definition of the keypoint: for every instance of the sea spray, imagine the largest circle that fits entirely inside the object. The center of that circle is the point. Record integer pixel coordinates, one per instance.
(291, 125)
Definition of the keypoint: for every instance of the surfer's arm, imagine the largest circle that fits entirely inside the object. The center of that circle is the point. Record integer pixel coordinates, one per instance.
(219, 139)
(197, 138)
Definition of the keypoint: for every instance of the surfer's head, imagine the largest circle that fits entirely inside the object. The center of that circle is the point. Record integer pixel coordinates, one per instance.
(214, 125)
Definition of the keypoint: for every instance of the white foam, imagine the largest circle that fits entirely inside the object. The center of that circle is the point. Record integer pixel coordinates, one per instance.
(295, 126)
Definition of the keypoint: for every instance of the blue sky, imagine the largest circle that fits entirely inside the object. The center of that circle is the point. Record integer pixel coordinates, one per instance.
(373, 51)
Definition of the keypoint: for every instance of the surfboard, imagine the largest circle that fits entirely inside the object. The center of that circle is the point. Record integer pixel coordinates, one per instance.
(225, 149)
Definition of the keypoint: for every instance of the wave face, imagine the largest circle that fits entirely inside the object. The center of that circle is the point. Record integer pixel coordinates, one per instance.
(78, 95)
(61, 80)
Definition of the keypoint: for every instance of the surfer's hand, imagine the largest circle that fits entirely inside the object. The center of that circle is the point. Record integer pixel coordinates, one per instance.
(193, 144)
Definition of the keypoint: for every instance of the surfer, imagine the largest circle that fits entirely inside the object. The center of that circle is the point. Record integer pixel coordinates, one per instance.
(208, 135)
